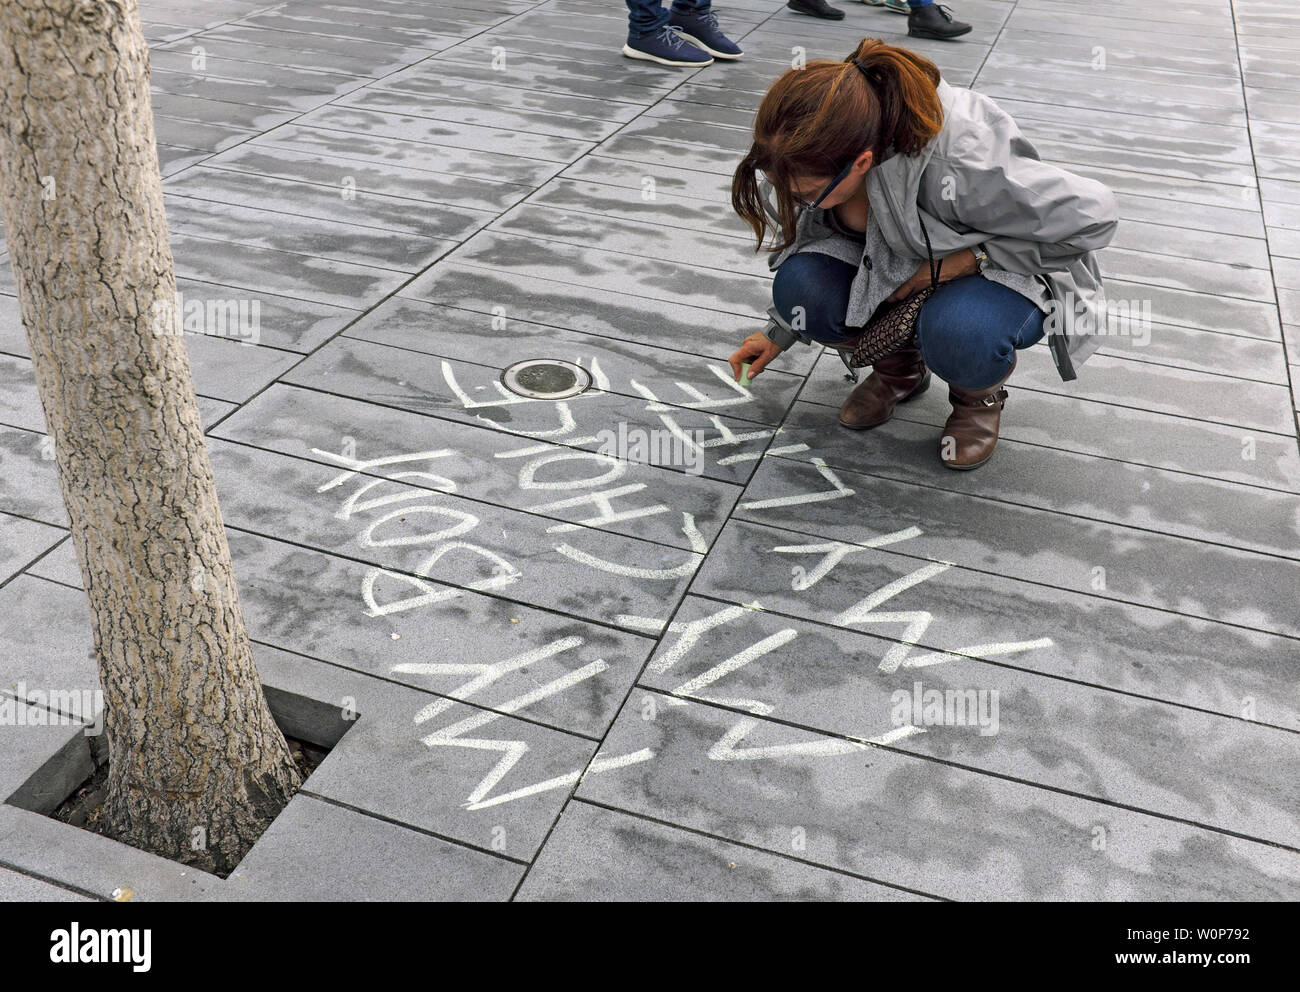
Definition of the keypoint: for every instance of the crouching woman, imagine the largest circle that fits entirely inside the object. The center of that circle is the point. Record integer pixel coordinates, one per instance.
(867, 171)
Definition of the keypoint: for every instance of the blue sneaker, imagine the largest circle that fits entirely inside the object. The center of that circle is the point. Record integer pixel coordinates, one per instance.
(666, 48)
(702, 31)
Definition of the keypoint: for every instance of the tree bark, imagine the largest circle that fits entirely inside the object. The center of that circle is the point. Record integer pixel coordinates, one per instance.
(197, 766)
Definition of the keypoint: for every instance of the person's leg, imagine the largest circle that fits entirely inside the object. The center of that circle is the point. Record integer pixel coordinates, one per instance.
(816, 8)
(699, 26)
(970, 328)
(645, 17)
(650, 39)
(927, 19)
(969, 332)
(811, 292)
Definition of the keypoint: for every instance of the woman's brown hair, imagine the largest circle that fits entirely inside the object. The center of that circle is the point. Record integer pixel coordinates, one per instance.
(815, 119)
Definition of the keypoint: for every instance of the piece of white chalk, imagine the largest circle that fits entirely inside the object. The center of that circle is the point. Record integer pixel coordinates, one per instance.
(744, 374)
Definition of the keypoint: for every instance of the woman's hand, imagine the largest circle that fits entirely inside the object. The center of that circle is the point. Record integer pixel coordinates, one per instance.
(956, 265)
(757, 349)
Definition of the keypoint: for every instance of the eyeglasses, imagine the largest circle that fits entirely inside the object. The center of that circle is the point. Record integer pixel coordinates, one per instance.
(839, 178)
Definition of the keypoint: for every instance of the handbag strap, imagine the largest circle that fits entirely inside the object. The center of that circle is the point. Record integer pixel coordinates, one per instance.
(934, 269)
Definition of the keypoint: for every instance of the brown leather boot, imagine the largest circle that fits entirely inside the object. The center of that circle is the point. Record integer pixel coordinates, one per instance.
(894, 379)
(972, 429)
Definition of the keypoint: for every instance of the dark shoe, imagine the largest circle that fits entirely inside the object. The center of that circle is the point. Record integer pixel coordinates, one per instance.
(972, 429)
(894, 379)
(702, 31)
(667, 48)
(934, 20)
(816, 8)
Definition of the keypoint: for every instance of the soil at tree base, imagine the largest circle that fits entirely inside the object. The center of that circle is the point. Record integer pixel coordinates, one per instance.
(84, 808)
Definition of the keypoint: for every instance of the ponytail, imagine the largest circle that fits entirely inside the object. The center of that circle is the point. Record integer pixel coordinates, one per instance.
(812, 120)
(906, 88)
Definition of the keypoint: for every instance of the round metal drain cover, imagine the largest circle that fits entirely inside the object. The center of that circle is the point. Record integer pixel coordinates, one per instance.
(546, 379)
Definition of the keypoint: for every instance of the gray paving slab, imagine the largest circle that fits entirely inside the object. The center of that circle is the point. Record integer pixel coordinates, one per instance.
(59, 565)
(46, 756)
(600, 169)
(16, 887)
(378, 58)
(441, 84)
(283, 231)
(1218, 352)
(1229, 221)
(218, 112)
(269, 48)
(29, 485)
(384, 149)
(1190, 274)
(645, 204)
(534, 63)
(1251, 405)
(319, 852)
(651, 320)
(203, 65)
(322, 280)
(1121, 573)
(172, 160)
(334, 175)
(648, 428)
(474, 648)
(20, 403)
(1166, 239)
(198, 136)
(449, 542)
(363, 208)
(605, 854)
(250, 93)
(631, 275)
(1038, 544)
(467, 137)
(689, 379)
(348, 435)
(911, 822)
(46, 847)
(1120, 749)
(475, 115)
(644, 237)
(45, 643)
(311, 22)
(21, 542)
(1108, 431)
(1096, 639)
(484, 779)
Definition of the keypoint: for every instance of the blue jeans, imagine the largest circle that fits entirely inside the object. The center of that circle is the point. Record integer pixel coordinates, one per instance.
(648, 16)
(968, 331)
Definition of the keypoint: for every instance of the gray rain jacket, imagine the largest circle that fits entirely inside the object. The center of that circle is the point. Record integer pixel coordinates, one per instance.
(980, 182)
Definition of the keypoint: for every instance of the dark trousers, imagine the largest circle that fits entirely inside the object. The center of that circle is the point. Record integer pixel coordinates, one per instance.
(967, 332)
(648, 16)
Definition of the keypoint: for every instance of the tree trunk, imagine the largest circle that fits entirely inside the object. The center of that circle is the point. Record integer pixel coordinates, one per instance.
(197, 766)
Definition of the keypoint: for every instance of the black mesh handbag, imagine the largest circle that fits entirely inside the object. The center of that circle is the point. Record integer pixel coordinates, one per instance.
(891, 329)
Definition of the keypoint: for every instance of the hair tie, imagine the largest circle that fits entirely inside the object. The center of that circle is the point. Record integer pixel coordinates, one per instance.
(873, 75)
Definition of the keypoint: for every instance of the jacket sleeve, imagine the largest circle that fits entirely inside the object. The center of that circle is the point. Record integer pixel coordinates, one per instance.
(1039, 217)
